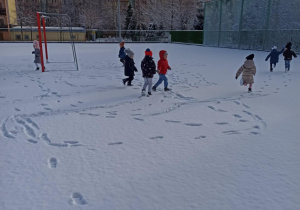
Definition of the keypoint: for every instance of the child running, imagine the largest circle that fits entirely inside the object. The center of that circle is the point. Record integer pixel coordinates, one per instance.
(122, 53)
(163, 67)
(148, 68)
(129, 67)
(288, 56)
(274, 57)
(249, 70)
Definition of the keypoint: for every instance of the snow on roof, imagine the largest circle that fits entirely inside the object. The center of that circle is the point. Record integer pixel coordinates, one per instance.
(28, 28)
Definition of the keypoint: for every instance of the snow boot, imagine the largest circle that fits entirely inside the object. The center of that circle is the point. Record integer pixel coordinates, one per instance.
(167, 89)
(143, 92)
(249, 90)
(37, 68)
(149, 94)
(129, 84)
(124, 81)
(154, 88)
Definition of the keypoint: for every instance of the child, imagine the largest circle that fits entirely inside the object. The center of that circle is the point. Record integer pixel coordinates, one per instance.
(148, 68)
(122, 53)
(37, 58)
(129, 67)
(163, 67)
(249, 70)
(274, 54)
(288, 53)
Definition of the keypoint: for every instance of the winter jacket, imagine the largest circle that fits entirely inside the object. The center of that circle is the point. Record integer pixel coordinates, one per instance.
(129, 68)
(249, 70)
(162, 64)
(148, 67)
(122, 53)
(288, 54)
(274, 54)
(37, 57)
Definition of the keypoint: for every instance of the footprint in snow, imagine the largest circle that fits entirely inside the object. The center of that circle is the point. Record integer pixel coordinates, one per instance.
(32, 141)
(222, 123)
(200, 137)
(156, 137)
(139, 119)
(193, 124)
(237, 116)
(172, 121)
(115, 143)
(77, 199)
(52, 163)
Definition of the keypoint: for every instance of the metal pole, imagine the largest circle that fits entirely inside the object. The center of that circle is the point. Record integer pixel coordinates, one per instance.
(119, 20)
(40, 40)
(45, 38)
(220, 23)
(241, 23)
(204, 25)
(267, 25)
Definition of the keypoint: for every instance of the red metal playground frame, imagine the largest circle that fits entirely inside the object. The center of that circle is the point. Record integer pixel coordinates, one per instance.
(43, 15)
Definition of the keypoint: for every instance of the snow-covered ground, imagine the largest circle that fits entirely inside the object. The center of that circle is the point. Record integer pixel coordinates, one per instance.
(81, 140)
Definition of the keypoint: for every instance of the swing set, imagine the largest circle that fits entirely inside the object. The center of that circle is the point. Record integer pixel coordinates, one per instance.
(41, 16)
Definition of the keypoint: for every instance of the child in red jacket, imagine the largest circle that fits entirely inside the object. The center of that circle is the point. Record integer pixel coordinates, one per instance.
(163, 67)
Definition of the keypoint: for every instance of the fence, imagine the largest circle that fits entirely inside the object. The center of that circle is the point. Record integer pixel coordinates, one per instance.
(94, 35)
(31, 33)
(252, 24)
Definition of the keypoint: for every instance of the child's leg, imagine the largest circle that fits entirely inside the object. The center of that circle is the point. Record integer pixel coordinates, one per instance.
(159, 80)
(289, 64)
(145, 83)
(250, 85)
(271, 69)
(286, 62)
(165, 81)
(130, 78)
(150, 84)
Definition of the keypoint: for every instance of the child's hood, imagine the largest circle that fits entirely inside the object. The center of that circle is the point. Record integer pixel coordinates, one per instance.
(161, 54)
(249, 64)
(36, 44)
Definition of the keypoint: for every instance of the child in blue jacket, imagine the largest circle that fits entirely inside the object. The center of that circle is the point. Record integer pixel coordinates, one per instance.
(122, 53)
(274, 57)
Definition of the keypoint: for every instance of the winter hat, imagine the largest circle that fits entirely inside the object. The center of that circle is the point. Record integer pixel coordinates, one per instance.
(129, 52)
(148, 52)
(274, 48)
(122, 44)
(289, 45)
(250, 57)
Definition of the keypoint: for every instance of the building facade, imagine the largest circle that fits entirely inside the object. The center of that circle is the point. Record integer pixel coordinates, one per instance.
(7, 18)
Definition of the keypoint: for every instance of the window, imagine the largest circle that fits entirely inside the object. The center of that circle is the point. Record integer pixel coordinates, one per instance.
(1, 22)
(18, 37)
(1, 37)
(26, 37)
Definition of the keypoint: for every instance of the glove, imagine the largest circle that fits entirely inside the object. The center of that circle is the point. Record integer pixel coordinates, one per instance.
(157, 71)
(32, 52)
(169, 68)
(236, 77)
(266, 59)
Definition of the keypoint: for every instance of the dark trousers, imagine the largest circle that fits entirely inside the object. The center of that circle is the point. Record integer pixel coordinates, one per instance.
(129, 79)
(271, 66)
